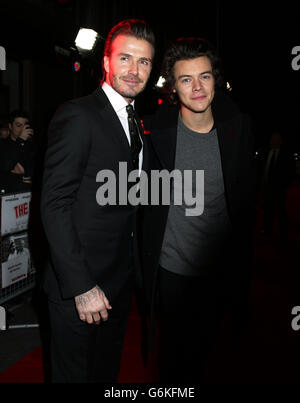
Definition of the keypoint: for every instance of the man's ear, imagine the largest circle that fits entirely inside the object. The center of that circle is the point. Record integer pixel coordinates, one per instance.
(106, 63)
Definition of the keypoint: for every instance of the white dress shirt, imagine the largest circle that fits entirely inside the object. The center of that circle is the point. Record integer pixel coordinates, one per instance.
(119, 104)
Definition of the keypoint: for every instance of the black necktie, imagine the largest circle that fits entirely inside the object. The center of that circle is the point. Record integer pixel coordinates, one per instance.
(136, 144)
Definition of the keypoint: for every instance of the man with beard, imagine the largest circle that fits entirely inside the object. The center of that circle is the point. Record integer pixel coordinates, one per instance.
(89, 279)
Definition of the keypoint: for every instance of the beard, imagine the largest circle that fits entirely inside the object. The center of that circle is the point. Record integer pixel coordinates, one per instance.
(119, 84)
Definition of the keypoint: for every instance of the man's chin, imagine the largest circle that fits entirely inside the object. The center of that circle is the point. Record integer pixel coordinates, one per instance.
(128, 95)
(131, 92)
(198, 109)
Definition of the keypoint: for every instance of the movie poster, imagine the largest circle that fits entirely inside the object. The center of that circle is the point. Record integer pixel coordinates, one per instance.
(16, 261)
(15, 213)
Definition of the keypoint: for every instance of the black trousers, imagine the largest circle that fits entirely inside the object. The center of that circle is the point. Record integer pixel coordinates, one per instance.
(190, 314)
(88, 353)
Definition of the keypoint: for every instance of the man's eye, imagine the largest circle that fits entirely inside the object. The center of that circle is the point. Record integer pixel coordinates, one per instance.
(123, 58)
(185, 80)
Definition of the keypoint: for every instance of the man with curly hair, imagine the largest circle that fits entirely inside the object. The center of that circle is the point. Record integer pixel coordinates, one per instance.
(197, 265)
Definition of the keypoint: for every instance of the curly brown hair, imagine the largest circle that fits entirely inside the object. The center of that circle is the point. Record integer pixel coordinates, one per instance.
(186, 49)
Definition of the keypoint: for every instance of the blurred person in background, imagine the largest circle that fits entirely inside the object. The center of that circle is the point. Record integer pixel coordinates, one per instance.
(17, 154)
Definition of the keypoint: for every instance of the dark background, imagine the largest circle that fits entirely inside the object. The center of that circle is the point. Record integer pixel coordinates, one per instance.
(254, 40)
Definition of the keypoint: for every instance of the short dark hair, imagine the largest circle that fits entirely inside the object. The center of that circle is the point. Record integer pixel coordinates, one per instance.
(186, 49)
(131, 27)
(18, 113)
(137, 28)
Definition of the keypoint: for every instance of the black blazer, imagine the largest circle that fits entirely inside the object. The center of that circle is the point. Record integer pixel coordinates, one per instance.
(89, 244)
(237, 159)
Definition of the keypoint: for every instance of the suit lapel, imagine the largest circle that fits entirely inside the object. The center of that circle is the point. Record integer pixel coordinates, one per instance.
(227, 138)
(228, 127)
(116, 130)
(112, 122)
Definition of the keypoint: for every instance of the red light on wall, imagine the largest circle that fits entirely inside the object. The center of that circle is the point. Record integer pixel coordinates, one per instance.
(160, 101)
(76, 66)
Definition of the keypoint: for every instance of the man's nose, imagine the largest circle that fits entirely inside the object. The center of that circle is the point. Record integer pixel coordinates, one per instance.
(197, 85)
(134, 68)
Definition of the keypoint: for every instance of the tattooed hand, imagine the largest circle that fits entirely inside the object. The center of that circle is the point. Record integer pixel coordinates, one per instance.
(92, 306)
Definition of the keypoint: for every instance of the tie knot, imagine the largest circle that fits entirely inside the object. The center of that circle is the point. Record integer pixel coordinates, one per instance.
(130, 111)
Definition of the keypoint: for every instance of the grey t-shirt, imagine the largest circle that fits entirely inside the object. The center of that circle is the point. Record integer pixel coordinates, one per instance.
(193, 244)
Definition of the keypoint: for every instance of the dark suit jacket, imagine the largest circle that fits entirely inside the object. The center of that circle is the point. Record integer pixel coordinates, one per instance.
(89, 244)
(237, 159)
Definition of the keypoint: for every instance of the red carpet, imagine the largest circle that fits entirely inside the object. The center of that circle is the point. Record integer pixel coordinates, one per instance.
(30, 369)
(27, 370)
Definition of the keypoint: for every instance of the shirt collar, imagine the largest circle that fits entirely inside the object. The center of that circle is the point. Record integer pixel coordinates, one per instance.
(116, 100)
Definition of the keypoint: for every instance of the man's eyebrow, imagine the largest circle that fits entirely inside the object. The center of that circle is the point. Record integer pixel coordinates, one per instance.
(190, 75)
(146, 58)
(207, 72)
(124, 54)
(141, 58)
(184, 75)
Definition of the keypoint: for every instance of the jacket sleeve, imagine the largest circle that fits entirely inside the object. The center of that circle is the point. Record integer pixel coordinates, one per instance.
(65, 161)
